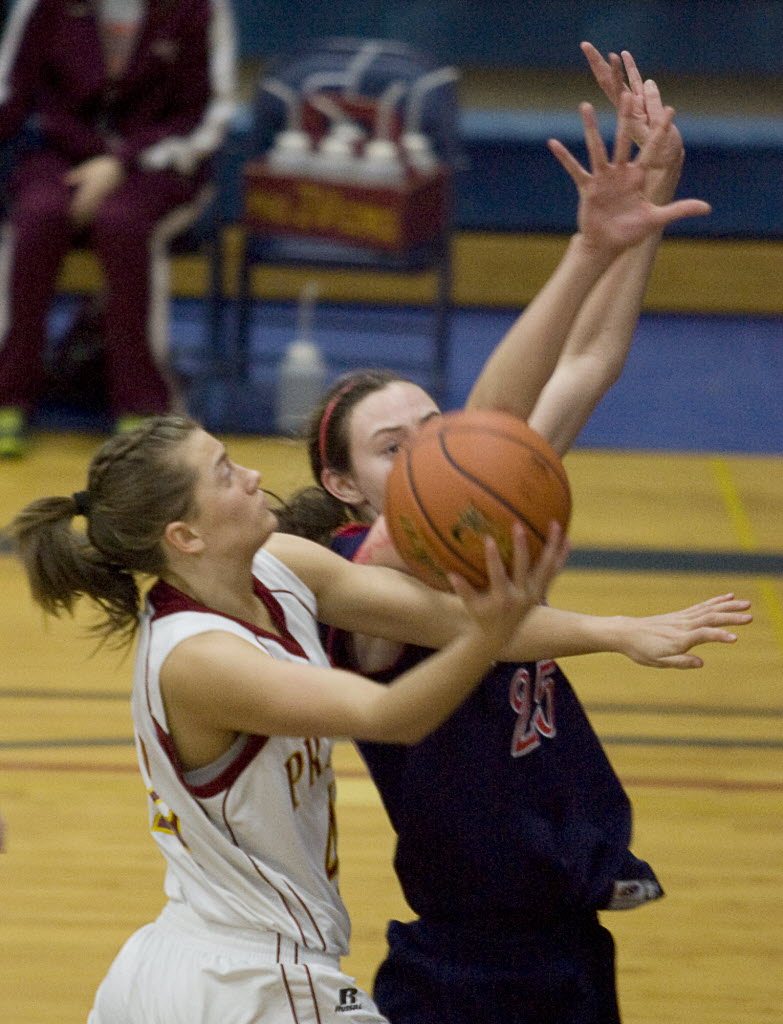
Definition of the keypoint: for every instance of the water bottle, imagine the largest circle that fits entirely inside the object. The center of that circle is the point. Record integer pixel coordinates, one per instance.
(335, 159)
(419, 152)
(302, 372)
(381, 164)
(291, 152)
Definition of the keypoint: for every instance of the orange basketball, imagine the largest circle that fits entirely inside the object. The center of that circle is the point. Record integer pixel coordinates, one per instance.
(469, 474)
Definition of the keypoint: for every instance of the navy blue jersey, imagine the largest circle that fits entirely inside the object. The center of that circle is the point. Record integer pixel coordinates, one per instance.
(510, 811)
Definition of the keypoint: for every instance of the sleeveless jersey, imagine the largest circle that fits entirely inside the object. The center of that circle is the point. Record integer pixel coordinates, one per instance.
(509, 813)
(250, 841)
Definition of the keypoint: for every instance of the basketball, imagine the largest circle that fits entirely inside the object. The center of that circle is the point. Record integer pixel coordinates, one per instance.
(466, 475)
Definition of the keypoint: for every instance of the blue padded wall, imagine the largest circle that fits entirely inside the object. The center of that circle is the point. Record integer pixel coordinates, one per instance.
(687, 36)
(512, 182)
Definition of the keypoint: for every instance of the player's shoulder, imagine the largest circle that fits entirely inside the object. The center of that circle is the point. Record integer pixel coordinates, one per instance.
(306, 559)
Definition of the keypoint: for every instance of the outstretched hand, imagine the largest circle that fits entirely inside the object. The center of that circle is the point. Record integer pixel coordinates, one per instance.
(509, 596)
(645, 113)
(614, 212)
(664, 641)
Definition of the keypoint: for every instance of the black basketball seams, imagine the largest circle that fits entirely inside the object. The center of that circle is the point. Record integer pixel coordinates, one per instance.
(517, 513)
(446, 542)
(445, 427)
(425, 515)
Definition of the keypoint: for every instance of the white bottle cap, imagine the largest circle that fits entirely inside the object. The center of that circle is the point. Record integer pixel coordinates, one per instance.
(292, 141)
(382, 164)
(419, 151)
(350, 131)
(381, 151)
(303, 353)
(336, 147)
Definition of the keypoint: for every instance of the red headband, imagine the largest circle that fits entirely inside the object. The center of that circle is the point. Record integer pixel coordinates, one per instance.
(326, 417)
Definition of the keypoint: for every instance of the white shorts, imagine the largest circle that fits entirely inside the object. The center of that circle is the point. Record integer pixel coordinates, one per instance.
(179, 970)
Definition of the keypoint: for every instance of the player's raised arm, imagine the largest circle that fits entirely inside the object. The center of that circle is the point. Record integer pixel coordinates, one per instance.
(614, 214)
(597, 346)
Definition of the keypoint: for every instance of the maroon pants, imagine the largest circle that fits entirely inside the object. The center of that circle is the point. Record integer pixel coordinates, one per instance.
(122, 236)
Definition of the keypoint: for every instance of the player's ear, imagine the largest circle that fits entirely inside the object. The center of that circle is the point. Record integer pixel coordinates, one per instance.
(342, 487)
(183, 538)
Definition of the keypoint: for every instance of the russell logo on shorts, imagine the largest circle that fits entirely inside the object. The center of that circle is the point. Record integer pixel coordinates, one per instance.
(349, 1001)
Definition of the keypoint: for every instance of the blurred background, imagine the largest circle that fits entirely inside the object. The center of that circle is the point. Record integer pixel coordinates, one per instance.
(677, 481)
(715, 297)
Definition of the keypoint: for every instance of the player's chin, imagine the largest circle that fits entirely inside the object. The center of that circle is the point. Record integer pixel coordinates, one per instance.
(267, 524)
(271, 522)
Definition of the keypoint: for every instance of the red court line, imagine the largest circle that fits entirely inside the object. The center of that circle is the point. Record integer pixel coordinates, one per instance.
(652, 782)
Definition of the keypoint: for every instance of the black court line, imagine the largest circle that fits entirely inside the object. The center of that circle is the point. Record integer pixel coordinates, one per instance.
(667, 560)
(719, 742)
(715, 784)
(686, 710)
(64, 744)
(652, 560)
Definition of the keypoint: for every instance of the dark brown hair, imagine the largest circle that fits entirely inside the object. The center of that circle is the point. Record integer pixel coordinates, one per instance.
(313, 512)
(135, 487)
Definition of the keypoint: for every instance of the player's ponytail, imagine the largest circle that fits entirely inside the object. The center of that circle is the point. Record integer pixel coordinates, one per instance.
(62, 565)
(136, 486)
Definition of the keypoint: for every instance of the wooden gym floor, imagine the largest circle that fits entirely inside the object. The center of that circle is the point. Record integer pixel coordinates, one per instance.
(700, 753)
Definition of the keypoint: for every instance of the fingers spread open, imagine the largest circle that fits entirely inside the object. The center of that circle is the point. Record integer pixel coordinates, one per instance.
(622, 139)
(520, 561)
(551, 560)
(681, 208)
(632, 71)
(619, 84)
(680, 661)
(653, 102)
(571, 165)
(595, 144)
(655, 140)
(496, 571)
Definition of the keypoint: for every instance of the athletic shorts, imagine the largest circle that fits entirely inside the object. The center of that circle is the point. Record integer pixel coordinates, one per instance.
(436, 974)
(179, 970)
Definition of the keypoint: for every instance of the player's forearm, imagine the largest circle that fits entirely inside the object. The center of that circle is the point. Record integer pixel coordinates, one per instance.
(424, 696)
(597, 348)
(553, 633)
(519, 367)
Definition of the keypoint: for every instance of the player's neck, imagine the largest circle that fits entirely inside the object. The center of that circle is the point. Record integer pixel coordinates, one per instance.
(224, 593)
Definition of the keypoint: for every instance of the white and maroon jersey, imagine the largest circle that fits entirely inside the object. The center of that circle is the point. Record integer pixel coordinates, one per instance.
(249, 841)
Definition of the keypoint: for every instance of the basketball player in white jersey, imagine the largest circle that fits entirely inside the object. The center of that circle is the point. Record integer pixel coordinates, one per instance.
(232, 697)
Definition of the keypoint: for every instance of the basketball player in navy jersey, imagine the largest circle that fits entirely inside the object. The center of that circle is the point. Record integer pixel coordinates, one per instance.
(512, 827)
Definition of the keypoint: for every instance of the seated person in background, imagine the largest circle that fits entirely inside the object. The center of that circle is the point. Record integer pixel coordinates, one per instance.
(128, 101)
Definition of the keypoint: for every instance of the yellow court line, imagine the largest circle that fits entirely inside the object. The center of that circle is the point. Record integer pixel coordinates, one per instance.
(746, 537)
